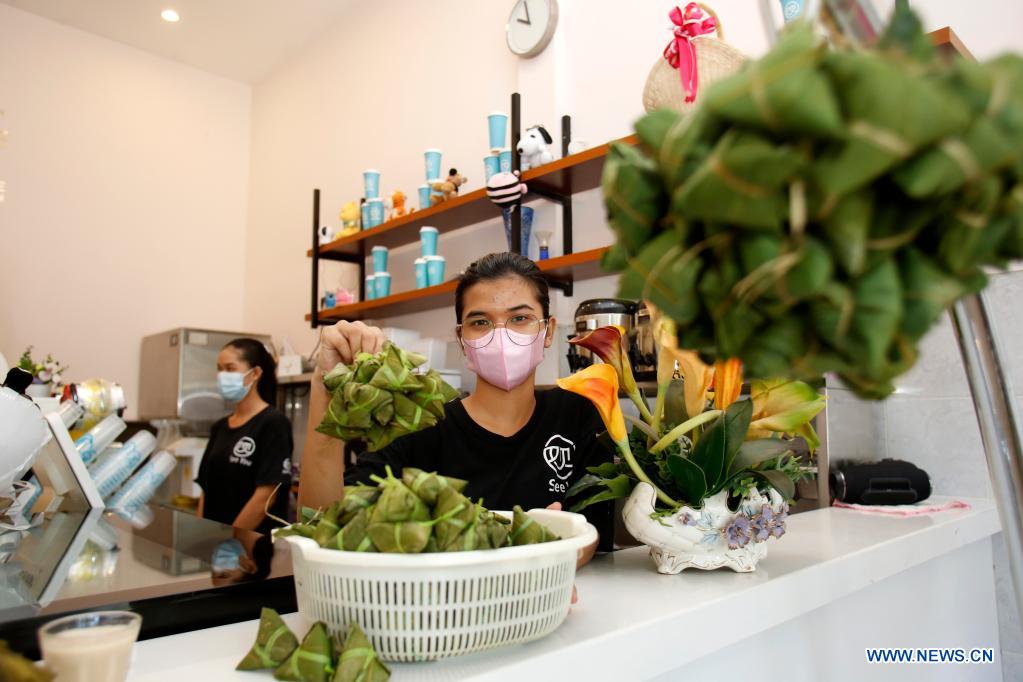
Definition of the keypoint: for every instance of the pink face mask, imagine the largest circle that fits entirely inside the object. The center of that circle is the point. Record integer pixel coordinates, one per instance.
(503, 362)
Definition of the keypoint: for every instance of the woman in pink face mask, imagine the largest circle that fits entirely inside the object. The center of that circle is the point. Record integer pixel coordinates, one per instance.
(514, 444)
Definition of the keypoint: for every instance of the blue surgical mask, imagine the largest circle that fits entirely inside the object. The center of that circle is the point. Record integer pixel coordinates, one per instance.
(232, 385)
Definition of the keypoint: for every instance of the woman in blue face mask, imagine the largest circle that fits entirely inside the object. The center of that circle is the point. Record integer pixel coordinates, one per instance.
(246, 468)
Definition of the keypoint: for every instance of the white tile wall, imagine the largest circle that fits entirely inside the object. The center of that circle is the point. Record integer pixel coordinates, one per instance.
(930, 421)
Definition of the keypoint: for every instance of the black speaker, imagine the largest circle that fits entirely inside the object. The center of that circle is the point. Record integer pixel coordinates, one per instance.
(889, 481)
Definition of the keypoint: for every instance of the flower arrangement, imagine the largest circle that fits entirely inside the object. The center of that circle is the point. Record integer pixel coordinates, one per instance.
(49, 372)
(700, 439)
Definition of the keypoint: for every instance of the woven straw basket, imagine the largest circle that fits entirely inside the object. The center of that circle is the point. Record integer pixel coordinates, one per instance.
(715, 59)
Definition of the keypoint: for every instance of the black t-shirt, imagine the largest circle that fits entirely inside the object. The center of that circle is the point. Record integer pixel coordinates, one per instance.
(236, 461)
(531, 468)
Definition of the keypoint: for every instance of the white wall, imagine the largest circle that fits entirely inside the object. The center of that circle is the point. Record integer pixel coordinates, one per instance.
(125, 209)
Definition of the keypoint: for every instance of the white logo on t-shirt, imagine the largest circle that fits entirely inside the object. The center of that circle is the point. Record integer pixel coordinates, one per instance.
(243, 449)
(557, 452)
(286, 469)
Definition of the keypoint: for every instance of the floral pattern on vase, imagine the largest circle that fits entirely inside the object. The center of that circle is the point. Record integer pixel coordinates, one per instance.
(710, 537)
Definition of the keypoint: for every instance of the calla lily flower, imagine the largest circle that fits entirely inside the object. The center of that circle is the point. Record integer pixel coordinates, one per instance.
(727, 382)
(608, 343)
(599, 385)
(784, 406)
(696, 375)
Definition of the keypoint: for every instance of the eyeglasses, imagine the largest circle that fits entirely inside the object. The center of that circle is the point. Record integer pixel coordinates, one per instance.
(522, 330)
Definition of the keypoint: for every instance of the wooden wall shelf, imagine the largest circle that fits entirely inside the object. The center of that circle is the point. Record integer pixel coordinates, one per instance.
(566, 176)
(576, 266)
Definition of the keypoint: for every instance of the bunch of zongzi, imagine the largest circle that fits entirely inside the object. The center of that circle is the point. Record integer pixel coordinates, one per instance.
(419, 512)
(318, 658)
(821, 209)
(380, 397)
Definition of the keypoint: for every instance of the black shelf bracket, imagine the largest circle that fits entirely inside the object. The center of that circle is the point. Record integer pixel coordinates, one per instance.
(314, 312)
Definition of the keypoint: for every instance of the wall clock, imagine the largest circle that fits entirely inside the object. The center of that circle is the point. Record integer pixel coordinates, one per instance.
(531, 26)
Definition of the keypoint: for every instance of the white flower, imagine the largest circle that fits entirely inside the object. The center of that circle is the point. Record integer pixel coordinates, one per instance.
(56, 378)
(44, 376)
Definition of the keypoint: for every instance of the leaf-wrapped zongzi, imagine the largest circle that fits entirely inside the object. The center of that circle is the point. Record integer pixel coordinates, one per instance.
(313, 660)
(359, 661)
(274, 643)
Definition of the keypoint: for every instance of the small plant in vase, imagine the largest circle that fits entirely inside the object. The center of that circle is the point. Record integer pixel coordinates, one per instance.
(47, 376)
(708, 475)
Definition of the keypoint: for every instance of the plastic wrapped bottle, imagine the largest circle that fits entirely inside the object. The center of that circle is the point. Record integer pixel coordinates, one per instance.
(114, 470)
(70, 412)
(142, 486)
(99, 437)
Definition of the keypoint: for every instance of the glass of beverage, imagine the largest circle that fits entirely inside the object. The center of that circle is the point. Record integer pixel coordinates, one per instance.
(90, 647)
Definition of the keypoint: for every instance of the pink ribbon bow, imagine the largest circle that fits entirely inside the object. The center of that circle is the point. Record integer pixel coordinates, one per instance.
(680, 54)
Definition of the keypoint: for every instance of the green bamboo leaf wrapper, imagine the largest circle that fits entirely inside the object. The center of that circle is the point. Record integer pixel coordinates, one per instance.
(275, 642)
(356, 498)
(354, 537)
(782, 93)
(359, 661)
(398, 503)
(428, 485)
(633, 195)
(738, 183)
(405, 537)
(313, 660)
(526, 531)
(457, 513)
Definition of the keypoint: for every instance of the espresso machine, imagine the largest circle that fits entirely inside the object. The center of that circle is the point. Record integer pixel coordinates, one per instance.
(633, 317)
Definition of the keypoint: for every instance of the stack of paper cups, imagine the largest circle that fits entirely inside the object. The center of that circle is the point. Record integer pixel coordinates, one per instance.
(141, 487)
(70, 412)
(504, 160)
(371, 291)
(99, 437)
(497, 123)
(371, 183)
(432, 157)
(376, 211)
(114, 470)
(434, 270)
(424, 197)
(382, 284)
(421, 280)
(428, 241)
(491, 166)
(364, 213)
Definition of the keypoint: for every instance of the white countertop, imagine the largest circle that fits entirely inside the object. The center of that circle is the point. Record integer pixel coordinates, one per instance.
(662, 621)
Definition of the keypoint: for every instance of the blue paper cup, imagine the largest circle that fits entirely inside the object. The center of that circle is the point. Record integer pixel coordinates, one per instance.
(428, 241)
(432, 164)
(379, 258)
(527, 227)
(382, 283)
(434, 270)
(371, 183)
(421, 279)
(491, 165)
(424, 197)
(365, 216)
(376, 211)
(505, 160)
(371, 287)
(498, 124)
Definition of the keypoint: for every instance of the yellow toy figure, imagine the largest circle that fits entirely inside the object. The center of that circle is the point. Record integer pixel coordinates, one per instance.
(349, 219)
(398, 204)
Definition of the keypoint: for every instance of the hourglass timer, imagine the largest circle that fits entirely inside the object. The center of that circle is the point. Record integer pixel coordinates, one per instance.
(543, 237)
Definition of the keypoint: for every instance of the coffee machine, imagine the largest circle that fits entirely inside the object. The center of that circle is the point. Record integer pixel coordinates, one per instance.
(631, 316)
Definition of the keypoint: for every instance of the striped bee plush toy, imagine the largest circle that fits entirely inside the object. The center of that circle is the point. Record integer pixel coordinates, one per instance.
(504, 189)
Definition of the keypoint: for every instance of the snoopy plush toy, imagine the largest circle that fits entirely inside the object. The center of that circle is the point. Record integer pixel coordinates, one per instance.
(532, 148)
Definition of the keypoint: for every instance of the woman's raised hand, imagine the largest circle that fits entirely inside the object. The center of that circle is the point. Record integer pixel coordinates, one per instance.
(343, 341)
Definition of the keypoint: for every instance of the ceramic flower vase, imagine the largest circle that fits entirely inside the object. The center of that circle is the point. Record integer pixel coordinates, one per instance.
(709, 537)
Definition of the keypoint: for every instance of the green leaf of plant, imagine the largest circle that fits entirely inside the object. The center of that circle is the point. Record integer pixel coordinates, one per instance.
(782, 483)
(585, 482)
(737, 420)
(709, 453)
(689, 477)
(753, 452)
(615, 488)
(604, 470)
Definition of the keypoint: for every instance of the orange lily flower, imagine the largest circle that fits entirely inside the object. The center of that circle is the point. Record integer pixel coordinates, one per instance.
(599, 385)
(609, 344)
(727, 382)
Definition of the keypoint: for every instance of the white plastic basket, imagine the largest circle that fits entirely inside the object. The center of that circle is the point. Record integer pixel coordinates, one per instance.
(419, 607)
